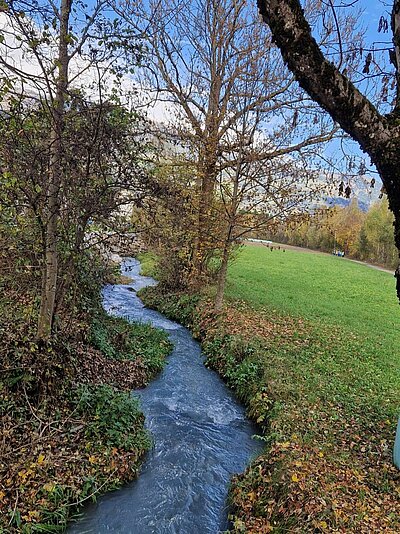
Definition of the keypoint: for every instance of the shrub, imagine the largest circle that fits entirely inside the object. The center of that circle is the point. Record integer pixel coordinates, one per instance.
(119, 339)
(114, 417)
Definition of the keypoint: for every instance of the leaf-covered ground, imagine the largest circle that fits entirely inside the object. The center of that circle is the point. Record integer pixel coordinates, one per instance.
(70, 429)
(329, 467)
(324, 392)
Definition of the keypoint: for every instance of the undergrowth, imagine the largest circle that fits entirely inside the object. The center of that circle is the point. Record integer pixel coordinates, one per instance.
(71, 428)
(121, 340)
(115, 417)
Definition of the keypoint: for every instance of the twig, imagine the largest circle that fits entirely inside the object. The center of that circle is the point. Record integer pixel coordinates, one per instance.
(15, 509)
(77, 503)
(31, 408)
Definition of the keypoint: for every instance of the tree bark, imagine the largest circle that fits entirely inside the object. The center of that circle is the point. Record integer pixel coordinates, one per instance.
(50, 267)
(207, 169)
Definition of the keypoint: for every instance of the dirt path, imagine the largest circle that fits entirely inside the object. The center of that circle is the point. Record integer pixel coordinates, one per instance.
(309, 250)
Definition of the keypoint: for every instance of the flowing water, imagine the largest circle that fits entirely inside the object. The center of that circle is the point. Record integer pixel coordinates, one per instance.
(200, 432)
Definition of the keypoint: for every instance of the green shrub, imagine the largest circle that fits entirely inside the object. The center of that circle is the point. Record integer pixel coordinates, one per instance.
(114, 417)
(119, 339)
(177, 307)
(237, 361)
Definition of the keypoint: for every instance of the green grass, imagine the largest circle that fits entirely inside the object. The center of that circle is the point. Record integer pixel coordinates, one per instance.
(148, 262)
(317, 286)
(334, 381)
(348, 297)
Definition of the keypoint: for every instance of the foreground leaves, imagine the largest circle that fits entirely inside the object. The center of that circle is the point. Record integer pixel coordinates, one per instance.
(77, 432)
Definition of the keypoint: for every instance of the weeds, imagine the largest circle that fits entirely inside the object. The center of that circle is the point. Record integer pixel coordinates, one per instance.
(114, 417)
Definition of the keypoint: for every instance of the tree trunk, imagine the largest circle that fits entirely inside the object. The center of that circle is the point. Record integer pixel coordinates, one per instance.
(50, 267)
(219, 299)
(206, 185)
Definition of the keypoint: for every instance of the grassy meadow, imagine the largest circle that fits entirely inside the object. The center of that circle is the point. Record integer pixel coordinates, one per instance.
(319, 287)
(328, 362)
(352, 307)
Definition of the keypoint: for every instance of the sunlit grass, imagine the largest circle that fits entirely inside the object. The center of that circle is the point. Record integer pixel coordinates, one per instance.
(344, 295)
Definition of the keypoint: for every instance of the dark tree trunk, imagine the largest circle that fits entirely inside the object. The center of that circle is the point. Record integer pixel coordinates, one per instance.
(50, 267)
(206, 187)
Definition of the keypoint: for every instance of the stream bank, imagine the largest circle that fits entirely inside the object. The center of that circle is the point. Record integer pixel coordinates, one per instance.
(328, 465)
(70, 425)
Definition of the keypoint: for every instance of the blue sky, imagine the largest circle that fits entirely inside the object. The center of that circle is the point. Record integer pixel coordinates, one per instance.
(372, 12)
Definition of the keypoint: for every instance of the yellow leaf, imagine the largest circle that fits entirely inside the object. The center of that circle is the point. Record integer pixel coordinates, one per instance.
(22, 473)
(321, 454)
(295, 478)
(31, 515)
(323, 524)
(2, 495)
(92, 459)
(40, 459)
(49, 486)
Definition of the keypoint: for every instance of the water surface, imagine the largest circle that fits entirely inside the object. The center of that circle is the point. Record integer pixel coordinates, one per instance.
(200, 432)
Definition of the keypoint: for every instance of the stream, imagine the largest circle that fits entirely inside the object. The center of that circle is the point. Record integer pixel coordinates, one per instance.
(200, 433)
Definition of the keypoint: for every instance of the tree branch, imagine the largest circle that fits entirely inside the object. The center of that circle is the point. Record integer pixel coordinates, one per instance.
(333, 91)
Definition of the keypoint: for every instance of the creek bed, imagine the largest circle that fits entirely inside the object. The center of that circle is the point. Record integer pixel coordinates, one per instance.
(200, 432)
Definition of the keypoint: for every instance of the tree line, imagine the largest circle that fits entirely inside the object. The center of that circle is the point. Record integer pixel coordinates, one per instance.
(367, 236)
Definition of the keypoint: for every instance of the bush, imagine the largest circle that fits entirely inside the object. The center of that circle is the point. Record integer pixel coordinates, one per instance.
(237, 361)
(119, 339)
(177, 307)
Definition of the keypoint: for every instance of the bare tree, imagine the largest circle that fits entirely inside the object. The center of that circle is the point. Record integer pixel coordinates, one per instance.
(259, 195)
(261, 183)
(202, 56)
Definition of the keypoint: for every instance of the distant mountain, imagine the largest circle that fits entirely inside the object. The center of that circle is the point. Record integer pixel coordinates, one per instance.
(364, 205)
(360, 189)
